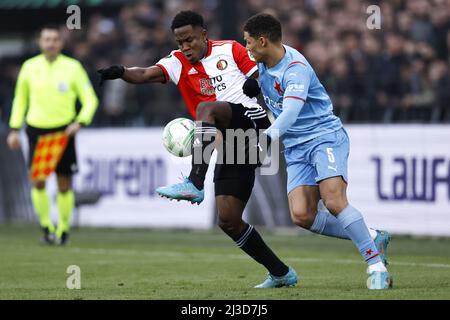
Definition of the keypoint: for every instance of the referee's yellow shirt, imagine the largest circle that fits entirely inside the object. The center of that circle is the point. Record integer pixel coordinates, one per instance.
(47, 91)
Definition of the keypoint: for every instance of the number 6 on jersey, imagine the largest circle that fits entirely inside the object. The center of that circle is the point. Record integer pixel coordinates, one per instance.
(330, 155)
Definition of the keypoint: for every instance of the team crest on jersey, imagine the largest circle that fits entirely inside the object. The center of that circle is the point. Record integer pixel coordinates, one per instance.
(277, 87)
(222, 64)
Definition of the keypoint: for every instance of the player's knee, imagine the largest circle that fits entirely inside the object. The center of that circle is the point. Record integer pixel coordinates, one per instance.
(225, 224)
(302, 218)
(335, 203)
(334, 199)
(229, 226)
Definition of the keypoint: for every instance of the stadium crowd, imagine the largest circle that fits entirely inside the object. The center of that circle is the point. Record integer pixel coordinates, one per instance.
(398, 73)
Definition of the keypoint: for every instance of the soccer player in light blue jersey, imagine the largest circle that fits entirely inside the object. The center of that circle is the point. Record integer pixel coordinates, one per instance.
(316, 145)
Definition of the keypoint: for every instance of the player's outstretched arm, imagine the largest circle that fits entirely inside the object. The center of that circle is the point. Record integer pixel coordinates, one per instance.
(144, 75)
(134, 75)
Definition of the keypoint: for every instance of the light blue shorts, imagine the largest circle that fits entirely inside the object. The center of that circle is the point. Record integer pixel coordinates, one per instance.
(317, 159)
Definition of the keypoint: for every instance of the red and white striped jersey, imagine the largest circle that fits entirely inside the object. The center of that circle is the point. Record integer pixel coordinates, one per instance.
(219, 76)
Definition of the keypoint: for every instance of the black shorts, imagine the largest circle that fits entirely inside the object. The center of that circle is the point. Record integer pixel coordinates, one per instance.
(235, 179)
(67, 164)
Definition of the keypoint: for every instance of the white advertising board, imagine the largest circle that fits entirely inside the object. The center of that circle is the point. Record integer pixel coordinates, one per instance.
(399, 177)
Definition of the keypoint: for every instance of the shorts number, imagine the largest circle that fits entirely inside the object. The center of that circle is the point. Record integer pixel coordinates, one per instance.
(330, 155)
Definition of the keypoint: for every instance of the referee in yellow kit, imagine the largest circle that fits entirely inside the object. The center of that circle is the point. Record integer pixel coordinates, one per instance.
(46, 92)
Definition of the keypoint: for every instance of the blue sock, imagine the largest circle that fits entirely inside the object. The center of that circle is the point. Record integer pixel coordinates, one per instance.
(353, 223)
(326, 224)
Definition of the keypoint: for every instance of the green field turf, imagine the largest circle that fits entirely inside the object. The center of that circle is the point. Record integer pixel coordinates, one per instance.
(160, 264)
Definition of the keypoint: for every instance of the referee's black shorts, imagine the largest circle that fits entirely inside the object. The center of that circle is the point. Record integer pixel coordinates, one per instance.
(67, 165)
(235, 179)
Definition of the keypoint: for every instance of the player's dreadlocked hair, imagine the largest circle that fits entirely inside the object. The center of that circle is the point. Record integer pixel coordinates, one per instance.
(264, 25)
(186, 18)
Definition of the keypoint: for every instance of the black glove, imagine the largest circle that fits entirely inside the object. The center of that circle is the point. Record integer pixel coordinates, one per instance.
(113, 72)
(251, 88)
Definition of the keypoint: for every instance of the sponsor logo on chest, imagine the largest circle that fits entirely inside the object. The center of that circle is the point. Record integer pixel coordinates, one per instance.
(271, 103)
(209, 86)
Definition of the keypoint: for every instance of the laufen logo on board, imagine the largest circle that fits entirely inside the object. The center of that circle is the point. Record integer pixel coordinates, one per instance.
(412, 178)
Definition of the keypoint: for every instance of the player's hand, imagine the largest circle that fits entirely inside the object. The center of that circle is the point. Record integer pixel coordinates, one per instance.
(72, 129)
(113, 72)
(251, 88)
(13, 140)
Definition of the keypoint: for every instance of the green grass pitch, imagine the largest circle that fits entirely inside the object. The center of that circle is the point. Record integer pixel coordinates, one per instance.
(165, 264)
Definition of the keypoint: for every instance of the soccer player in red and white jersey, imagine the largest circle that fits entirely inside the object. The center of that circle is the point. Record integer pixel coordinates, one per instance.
(210, 75)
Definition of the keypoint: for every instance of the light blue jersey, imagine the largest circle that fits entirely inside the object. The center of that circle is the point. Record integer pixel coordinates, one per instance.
(316, 146)
(299, 102)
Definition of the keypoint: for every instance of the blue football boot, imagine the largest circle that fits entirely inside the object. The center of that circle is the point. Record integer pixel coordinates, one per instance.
(288, 280)
(381, 242)
(182, 191)
(379, 280)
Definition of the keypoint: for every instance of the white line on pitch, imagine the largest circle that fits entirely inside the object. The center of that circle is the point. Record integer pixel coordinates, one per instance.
(235, 256)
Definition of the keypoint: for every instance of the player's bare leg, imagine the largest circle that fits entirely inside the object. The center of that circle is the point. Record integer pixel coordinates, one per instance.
(210, 116)
(218, 113)
(41, 204)
(309, 213)
(303, 202)
(230, 210)
(66, 203)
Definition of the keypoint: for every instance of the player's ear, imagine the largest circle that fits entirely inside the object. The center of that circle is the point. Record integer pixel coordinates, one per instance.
(204, 34)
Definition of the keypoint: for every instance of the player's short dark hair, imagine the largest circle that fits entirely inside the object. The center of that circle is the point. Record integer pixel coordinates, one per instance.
(264, 25)
(186, 18)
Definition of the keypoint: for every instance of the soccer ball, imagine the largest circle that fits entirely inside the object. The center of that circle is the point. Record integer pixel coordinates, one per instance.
(178, 135)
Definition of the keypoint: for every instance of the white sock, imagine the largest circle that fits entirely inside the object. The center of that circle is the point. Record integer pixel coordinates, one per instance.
(373, 233)
(379, 266)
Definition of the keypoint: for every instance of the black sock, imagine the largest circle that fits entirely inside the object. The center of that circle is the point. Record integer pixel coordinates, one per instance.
(251, 242)
(204, 136)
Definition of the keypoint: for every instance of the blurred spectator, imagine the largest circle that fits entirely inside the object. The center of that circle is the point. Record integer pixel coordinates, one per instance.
(389, 84)
(439, 75)
(417, 96)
